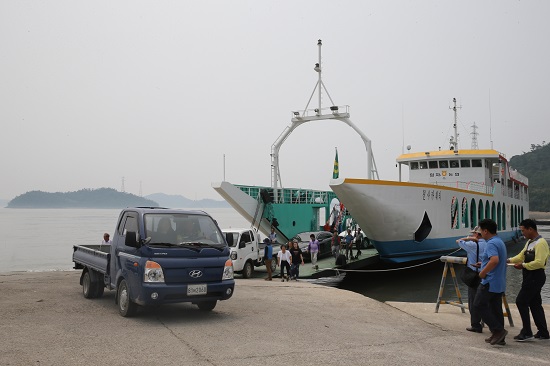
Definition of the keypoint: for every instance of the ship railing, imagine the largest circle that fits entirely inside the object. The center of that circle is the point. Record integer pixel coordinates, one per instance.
(290, 195)
(469, 186)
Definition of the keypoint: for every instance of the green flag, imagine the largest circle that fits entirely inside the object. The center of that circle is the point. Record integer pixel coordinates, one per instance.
(336, 171)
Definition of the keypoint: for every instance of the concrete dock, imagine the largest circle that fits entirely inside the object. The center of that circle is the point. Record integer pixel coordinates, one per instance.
(46, 321)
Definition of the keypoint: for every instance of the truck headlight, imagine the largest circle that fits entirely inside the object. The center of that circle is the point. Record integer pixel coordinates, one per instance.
(228, 270)
(233, 256)
(153, 272)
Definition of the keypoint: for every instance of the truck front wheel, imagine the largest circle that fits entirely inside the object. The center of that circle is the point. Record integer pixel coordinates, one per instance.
(126, 307)
(247, 270)
(207, 305)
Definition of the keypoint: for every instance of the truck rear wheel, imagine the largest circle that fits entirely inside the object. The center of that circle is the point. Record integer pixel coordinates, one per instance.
(248, 269)
(100, 290)
(207, 305)
(126, 307)
(89, 288)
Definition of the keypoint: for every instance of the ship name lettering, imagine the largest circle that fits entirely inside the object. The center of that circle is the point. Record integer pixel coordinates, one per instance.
(431, 194)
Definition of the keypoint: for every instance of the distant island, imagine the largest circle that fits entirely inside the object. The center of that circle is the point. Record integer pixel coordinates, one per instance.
(177, 201)
(106, 198)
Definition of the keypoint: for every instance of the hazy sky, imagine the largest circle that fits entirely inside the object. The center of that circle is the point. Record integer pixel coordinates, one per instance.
(158, 91)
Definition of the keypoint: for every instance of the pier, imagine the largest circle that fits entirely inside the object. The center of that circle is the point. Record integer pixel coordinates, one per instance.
(46, 320)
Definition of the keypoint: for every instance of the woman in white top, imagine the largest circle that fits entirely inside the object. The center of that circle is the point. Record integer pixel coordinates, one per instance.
(284, 262)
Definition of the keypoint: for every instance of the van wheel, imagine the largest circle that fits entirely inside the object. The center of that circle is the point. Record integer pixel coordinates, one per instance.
(248, 270)
(273, 266)
(207, 305)
(89, 288)
(126, 307)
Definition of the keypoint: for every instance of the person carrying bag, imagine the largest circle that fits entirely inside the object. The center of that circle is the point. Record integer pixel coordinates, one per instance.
(474, 245)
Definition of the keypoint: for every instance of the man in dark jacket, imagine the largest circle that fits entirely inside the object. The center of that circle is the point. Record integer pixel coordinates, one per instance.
(268, 257)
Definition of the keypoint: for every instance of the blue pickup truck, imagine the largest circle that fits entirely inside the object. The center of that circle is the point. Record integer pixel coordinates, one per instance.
(159, 256)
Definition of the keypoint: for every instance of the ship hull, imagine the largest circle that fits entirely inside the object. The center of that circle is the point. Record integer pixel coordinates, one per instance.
(411, 221)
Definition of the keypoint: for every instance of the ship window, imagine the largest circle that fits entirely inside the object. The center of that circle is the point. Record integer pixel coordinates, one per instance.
(454, 163)
(444, 164)
(465, 163)
(432, 164)
(414, 165)
(476, 163)
(423, 165)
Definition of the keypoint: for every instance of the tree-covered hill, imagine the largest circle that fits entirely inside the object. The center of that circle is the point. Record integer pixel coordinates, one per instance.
(535, 165)
(85, 198)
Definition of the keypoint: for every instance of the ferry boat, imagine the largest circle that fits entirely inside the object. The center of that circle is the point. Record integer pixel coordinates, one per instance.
(448, 193)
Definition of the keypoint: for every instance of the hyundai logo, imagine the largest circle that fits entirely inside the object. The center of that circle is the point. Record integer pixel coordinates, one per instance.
(195, 273)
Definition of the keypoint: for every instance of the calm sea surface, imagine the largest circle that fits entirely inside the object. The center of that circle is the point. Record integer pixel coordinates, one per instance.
(43, 239)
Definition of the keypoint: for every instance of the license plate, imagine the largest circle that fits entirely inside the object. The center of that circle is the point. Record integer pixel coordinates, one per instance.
(193, 290)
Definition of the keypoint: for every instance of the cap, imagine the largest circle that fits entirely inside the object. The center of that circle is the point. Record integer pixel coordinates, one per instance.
(477, 230)
(266, 240)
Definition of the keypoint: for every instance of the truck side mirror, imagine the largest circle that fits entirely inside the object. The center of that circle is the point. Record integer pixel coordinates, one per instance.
(242, 244)
(131, 239)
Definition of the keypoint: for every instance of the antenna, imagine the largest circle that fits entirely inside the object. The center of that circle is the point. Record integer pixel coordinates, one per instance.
(140, 192)
(474, 136)
(319, 85)
(122, 186)
(403, 128)
(490, 121)
(453, 142)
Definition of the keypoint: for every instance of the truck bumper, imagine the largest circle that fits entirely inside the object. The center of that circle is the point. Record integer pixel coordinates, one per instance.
(173, 293)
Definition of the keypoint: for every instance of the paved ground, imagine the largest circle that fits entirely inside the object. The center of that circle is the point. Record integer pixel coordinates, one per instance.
(46, 321)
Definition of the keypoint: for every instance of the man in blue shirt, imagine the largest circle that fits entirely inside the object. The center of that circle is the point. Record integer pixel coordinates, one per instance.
(474, 245)
(488, 300)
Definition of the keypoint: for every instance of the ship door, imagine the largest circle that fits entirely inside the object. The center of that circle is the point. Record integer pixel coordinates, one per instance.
(321, 217)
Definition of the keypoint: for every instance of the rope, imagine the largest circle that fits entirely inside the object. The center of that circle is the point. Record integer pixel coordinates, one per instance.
(338, 270)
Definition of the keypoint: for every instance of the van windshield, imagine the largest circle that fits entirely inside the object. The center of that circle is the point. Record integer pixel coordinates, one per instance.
(175, 229)
(231, 238)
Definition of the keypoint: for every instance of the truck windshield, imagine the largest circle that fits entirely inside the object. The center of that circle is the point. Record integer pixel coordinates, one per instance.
(173, 229)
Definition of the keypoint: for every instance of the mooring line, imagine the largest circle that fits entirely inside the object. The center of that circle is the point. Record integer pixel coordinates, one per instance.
(338, 270)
